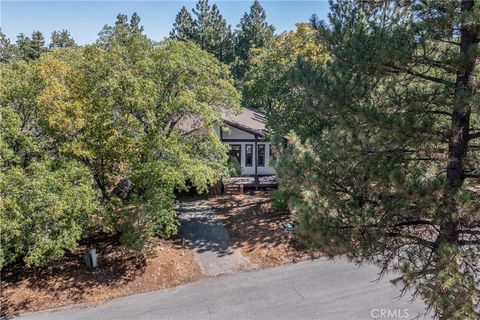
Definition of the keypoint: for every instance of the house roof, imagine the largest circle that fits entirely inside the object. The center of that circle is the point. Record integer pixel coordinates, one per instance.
(250, 120)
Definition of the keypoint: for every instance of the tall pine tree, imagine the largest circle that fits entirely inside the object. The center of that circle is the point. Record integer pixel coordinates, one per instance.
(253, 32)
(209, 29)
(384, 158)
(184, 26)
(37, 44)
(8, 51)
(31, 48)
(135, 26)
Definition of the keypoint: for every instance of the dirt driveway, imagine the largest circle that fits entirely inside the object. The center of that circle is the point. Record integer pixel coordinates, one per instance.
(216, 253)
(256, 227)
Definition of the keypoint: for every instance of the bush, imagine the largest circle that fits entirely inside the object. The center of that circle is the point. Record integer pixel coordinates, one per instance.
(234, 168)
(44, 211)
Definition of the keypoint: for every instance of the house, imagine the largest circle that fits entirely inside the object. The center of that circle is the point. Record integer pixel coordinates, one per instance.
(247, 136)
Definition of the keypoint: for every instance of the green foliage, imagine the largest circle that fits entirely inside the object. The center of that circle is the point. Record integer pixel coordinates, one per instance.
(62, 39)
(8, 51)
(122, 32)
(234, 168)
(31, 48)
(274, 71)
(44, 210)
(21, 139)
(139, 221)
(125, 108)
(184, 26)
(383, 155)
(253, 32)
(208, 29)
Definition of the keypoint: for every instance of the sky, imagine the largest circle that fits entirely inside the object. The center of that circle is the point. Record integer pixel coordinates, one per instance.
(84, 19)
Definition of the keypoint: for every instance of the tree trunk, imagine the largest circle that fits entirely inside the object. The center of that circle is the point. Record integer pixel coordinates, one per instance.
(100, 181)
(460, 123)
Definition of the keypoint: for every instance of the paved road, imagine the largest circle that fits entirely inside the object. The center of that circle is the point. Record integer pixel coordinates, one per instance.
(215, 251)
(318, 289)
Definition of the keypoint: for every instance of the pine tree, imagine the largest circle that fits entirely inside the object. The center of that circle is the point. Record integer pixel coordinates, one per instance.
(254, 31)
(37, 44)
(62, 39)
(8, 51)
(384, 158)
(31, 48)
(221, 40)
(209, 29)
(122, 32)
(202, 23)
(184, 26)
(122, 20)
(121, 28)
(23, 44)
(135, 26)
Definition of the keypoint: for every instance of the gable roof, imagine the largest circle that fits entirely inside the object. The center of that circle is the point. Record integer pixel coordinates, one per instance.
(249, 120)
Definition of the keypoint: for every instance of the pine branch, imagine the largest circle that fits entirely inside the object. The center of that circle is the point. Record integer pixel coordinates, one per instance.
(435, 64)
(398, 70)
(473, 136)
(468, 242)
(418, 240)
(447, 41)
(413, 223)
(472, 176)
(439, 112)
(469, 231)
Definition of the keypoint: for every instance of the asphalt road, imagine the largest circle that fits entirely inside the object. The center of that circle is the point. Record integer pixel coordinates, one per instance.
(318, 289)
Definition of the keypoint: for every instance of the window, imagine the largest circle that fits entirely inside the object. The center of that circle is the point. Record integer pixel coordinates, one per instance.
(236, 151)
(261, 155)
(248, 155)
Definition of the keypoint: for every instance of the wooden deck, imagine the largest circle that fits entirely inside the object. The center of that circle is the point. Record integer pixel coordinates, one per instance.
(237, 185)
(249, 181)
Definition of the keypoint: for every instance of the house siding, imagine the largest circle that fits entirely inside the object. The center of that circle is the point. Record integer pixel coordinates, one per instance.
(238, 137)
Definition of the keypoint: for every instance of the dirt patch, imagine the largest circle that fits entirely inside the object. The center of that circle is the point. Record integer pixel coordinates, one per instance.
(118, 274)
(257, 229)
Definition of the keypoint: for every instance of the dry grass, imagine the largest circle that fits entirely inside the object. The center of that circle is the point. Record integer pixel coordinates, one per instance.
(118, 274)
(257, 228)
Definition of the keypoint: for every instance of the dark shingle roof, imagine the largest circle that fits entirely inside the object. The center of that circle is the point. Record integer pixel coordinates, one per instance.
(250, 120)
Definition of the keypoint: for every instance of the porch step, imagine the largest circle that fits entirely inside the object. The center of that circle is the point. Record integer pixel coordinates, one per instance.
(216, 188)
(233, 188)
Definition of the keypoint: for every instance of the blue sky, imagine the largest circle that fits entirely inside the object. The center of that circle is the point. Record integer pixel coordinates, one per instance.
(84, 19)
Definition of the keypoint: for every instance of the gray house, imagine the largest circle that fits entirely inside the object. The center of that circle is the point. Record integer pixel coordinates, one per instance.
(247, 136)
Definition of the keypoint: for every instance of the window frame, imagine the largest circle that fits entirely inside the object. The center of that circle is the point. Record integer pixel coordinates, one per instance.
(247, 155)
(261, 163)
